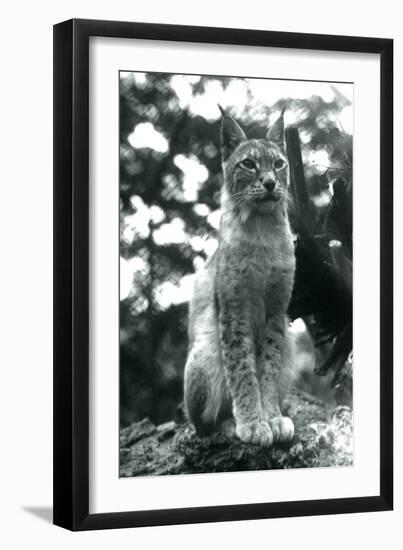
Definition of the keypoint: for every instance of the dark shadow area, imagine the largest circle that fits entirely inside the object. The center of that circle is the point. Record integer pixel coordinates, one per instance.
(44, 513)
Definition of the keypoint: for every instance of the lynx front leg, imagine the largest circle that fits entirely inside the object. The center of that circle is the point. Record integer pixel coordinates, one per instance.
(238, 354)
(272, 377)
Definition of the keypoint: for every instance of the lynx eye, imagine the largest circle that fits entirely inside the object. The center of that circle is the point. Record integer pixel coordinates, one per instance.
(279, 164)
(248, 164)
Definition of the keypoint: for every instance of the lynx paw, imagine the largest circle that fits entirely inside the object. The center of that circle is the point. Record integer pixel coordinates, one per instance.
(257, 433)
(282, 428)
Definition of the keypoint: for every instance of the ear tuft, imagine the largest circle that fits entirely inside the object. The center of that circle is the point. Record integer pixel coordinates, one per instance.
(231, 135)
(276, 132)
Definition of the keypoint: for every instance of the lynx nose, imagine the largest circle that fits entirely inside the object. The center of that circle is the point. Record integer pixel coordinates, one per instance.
(269, 184)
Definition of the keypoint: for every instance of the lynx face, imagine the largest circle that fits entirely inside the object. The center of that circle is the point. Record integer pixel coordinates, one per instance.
(256, 170)
(257, 175)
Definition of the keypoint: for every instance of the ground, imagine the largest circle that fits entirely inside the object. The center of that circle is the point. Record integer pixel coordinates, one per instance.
(323, 437)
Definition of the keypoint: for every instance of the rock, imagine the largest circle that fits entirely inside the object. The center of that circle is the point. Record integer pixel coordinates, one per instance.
(323, 437)
(136, 431)
(166, 431)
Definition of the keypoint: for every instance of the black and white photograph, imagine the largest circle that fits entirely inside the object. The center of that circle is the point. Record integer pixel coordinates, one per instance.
(236, 263)
(200, 293)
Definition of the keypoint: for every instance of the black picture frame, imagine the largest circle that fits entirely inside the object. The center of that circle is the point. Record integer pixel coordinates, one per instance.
(71, 274)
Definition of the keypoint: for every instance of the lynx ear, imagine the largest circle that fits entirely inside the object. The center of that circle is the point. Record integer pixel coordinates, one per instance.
(231, 135)
(276, 132)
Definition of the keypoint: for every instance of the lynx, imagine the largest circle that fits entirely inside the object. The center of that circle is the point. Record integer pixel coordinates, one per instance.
(239, 364)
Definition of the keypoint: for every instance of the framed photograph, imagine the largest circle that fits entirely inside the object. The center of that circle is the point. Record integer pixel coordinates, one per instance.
(223, 264)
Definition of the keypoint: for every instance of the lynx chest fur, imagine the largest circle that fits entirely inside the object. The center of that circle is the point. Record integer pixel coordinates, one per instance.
(258, 268)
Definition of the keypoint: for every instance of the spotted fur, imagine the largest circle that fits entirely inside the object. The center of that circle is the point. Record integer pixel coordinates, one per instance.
(240, 354)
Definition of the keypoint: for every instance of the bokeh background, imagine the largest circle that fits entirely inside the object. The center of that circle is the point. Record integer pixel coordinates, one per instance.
(170, 180)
